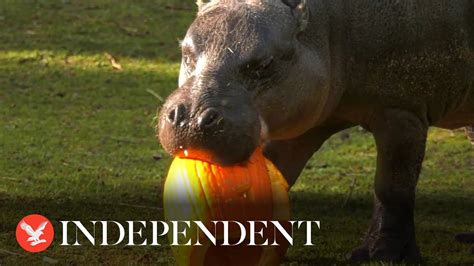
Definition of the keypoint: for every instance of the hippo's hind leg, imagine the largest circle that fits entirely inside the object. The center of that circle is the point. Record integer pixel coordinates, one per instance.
(468, 237)
(400, 138)
(290, 156)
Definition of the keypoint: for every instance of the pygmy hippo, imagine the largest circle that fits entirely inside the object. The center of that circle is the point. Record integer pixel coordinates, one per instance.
(291, 73)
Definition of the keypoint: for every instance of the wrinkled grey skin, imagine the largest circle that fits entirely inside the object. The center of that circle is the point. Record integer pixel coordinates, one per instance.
(295, 73)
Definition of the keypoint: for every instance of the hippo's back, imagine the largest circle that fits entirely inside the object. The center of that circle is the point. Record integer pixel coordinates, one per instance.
(382, 25)
(412, 54)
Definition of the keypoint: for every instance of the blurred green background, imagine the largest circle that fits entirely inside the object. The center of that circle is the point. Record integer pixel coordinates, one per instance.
(80, 84)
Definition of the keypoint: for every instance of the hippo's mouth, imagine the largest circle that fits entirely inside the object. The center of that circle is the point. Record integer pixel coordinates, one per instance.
(224, 145)
(208, 156)
(200, 155)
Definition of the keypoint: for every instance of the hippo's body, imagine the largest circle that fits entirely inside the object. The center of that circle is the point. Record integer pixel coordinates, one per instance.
(299, 71)
(416, 56)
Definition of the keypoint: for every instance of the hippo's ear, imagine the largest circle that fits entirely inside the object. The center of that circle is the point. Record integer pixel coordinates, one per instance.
(300, 12)
(201, 4)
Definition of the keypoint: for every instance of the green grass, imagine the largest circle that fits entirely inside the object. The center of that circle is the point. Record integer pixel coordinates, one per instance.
(77, 138)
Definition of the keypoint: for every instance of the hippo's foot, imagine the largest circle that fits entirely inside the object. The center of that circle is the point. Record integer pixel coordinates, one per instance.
(466, 238)
(387, 248)
(389, 238)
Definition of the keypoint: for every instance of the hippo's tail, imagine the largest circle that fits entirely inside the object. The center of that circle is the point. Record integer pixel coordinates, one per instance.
(470, 134)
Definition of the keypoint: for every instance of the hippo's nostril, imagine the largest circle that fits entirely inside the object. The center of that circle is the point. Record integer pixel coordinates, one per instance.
(209, 118)
(177, 115)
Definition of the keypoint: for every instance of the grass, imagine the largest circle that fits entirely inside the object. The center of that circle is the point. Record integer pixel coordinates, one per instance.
(77, 138)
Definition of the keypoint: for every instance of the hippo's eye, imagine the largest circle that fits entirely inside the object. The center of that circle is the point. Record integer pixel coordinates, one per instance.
(266, 63)
(260, 69)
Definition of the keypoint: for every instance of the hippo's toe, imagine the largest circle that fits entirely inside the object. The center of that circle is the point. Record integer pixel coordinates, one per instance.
(407, 253)
(359, 254)
(387, 251)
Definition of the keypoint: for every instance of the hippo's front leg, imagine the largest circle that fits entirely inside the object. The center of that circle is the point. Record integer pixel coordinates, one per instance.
(290, 156)
(400, 138)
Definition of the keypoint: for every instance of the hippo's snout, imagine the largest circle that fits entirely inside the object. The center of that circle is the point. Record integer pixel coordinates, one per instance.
(222, 133)
(177, 116)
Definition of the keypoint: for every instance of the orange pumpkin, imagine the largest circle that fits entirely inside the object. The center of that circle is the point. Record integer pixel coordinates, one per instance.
(201, 191)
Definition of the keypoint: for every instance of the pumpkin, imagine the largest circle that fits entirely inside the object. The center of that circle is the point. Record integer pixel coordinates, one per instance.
(197, 190)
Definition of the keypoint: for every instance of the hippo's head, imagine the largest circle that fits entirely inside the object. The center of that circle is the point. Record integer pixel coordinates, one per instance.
(246, 75)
